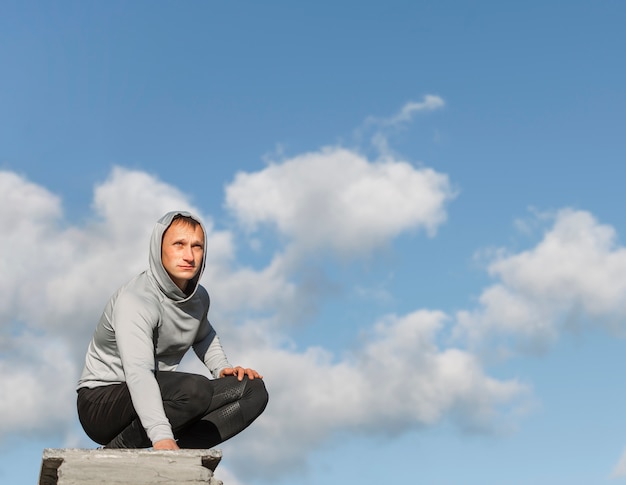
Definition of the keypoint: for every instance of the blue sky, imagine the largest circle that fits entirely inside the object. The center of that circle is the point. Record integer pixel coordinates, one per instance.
(415, 213)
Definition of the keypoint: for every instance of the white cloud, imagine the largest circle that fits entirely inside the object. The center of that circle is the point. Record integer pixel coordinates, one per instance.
(60, 275)
(404, 354)
(383, 127)
(55, 280)
(336, 199)
(245, 289)
(574, 275)
(28, 214)
(398, 379)
(57, 275)
(430, 103)
(37, 386)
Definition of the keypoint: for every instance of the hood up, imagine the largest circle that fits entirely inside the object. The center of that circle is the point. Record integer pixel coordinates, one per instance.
(157, 270)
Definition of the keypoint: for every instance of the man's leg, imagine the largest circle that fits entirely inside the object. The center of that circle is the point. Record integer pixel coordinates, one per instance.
(105, 411)
(186, 398)
(234, 406)
(202, 412)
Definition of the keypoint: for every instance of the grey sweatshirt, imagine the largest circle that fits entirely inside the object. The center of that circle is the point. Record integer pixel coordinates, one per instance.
(151, 305)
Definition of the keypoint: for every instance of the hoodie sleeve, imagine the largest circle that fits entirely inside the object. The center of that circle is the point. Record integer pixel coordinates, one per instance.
(134, 324)
(209, 349)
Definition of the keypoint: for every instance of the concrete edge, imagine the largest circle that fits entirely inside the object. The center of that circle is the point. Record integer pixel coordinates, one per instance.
(53, 458)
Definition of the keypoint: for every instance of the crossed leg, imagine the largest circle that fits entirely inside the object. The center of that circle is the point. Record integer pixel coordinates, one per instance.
(202, 412)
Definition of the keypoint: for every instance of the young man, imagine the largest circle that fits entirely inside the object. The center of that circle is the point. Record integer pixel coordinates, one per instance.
(129, 394)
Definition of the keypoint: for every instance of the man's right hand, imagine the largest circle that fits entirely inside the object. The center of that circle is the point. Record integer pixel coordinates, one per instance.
(165, 445)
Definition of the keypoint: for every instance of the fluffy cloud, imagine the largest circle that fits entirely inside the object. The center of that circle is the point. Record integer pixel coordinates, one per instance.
(36, 390)
(56, 276)
(573, 276)
(336, 199)
(29, 215)
(60, 275)
(55, 280)
(398, 379)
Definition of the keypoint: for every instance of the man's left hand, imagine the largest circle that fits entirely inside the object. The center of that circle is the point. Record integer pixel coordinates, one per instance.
(239, 372)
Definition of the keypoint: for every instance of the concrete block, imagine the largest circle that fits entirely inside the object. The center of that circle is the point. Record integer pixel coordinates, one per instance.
(129, 467)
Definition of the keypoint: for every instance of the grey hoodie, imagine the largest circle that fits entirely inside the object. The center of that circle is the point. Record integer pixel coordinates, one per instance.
(151, 305)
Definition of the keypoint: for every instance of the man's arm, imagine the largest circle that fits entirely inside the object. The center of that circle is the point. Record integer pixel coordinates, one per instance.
(134, 332)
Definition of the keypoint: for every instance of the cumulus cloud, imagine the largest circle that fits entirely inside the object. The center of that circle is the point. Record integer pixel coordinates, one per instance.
(59, 275)
(29, 214)
(398, 379)
(243, 289)
(55, 275)
(336, 199)
(575, 274)
(38, 375)
(56, 278)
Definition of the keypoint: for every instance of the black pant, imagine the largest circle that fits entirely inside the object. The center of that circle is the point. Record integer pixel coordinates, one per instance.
(202, 412)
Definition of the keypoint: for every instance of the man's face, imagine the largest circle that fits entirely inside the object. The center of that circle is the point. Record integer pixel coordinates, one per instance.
(182, 251)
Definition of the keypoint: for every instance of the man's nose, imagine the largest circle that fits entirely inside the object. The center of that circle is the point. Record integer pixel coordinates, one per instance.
(188, 253)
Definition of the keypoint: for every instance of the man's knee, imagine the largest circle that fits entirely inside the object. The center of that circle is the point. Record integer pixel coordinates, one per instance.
(259, 390)
(255, 399)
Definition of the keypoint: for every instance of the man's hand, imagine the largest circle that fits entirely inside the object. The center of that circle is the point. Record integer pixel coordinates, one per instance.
(239, 372)
(165, 445)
